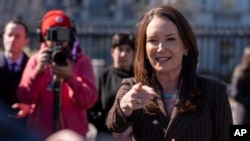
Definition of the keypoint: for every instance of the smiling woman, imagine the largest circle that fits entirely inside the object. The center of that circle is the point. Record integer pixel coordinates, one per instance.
(164, 47)
(167, 100)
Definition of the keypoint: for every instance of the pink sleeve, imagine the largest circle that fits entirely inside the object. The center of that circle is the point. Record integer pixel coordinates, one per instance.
(82, 88)
(30, 84)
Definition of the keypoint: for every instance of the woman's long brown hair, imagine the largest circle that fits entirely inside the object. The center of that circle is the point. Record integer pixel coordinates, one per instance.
(143, 70)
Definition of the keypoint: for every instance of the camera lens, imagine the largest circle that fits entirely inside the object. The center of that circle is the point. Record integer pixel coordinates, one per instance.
(59, 56)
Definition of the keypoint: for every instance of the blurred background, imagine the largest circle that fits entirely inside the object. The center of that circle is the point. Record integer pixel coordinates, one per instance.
(221, 26)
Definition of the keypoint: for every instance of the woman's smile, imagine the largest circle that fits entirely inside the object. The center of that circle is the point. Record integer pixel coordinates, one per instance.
(162, 60)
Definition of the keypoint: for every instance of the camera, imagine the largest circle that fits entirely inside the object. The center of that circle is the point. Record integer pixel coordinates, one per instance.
(59, 54)
(58, 34)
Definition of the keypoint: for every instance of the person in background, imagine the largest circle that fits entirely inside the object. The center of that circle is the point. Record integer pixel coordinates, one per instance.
(167, 100)
(58, 79)
(122, 52)
(12, 63)
(240, 87)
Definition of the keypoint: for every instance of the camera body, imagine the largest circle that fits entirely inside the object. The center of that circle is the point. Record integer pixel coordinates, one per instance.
(58, 34)
(59, 54)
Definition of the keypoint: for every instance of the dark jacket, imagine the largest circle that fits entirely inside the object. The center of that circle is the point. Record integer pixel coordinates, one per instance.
(108, 83)
(210, 122)
(9, 81)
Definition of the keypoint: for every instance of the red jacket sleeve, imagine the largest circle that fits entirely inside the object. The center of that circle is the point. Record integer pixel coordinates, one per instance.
(82, 86)
(31, 82)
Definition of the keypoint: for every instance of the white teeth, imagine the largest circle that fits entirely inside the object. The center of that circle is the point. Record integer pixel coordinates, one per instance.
(161, 59)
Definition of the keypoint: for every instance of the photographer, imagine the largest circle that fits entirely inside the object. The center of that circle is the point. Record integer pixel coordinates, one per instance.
(58, 79)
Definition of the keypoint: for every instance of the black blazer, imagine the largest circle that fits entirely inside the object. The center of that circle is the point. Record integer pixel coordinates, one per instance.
(210, 122)
(9, 82)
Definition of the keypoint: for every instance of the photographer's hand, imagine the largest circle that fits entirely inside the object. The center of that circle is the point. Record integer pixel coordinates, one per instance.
(64, 72)
(43, 59)
(25, 109)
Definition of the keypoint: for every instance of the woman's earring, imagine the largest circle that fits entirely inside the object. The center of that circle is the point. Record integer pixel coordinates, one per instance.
(186, 53)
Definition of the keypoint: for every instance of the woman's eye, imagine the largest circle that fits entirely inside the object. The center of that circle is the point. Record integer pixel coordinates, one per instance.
(171, 39)
(151, 40)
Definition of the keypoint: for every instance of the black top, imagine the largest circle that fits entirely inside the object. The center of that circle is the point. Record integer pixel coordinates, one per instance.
(9, 82)
(108, 83)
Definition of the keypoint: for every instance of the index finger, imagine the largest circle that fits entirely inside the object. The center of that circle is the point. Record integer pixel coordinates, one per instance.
(138, 86)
